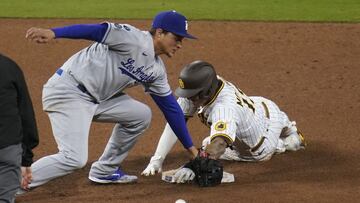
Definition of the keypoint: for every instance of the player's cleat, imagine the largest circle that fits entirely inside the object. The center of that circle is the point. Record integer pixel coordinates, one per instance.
(117, 177)
(302, 139)
(295, 141)
(280, 148)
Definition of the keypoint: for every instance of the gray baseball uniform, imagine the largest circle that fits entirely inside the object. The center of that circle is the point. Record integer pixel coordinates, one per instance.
(89, 87)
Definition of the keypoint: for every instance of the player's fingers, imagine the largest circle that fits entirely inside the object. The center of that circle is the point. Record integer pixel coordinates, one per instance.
(44, 40)
(32, 33)
(29, 177)
(160, 169)
(181, 178)
(145, 172)
(39, 40)
(24, 184)
(152, 171)
(192, 176)
(186, 177)
(29, 32)
(177, 178)
(177, 174)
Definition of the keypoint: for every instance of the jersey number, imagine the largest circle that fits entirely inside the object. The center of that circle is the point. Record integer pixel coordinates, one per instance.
(243, 98)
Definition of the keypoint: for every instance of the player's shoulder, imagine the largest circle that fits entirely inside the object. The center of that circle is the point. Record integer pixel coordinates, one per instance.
(128, 30)
(228, 86)
(225, 98)
(123, 27)
(225, 92)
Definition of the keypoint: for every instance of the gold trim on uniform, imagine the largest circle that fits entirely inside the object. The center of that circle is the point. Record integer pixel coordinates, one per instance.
(220, 126)
(181, 83)
(228, 139)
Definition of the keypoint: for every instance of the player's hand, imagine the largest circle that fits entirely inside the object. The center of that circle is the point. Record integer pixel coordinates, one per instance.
(216, 148)
(184, 175)
(26, 179)
(154, 166)
(40, 35)
(193, 152)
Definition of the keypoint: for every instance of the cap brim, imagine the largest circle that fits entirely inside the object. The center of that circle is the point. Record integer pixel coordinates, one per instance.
(190, 36)
(186, 35)
(186, 93)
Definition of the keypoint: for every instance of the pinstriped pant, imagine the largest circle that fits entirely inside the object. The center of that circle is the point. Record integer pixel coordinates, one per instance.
(277, 121)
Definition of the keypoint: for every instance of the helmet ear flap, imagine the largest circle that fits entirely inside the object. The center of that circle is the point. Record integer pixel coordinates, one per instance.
(211, 90)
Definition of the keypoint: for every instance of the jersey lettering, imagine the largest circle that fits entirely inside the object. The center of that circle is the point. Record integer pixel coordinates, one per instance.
(136, 73)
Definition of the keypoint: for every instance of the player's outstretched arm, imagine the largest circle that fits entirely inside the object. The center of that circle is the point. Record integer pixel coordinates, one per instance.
(40, 35)
(176, 120)
(166, 143)
(94, 32)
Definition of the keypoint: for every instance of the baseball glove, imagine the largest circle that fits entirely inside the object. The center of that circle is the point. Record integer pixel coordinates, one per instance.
(208, 172)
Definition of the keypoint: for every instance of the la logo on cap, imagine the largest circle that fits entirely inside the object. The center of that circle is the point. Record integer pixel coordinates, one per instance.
(173, 22)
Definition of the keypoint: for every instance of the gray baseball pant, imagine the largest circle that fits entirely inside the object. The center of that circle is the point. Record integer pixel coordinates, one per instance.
(71, 112)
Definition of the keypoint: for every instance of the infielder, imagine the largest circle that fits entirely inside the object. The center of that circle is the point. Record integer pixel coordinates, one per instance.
(89, 87)
(242, 128)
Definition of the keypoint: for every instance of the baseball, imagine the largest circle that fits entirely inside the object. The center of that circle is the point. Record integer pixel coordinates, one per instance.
(180, 201)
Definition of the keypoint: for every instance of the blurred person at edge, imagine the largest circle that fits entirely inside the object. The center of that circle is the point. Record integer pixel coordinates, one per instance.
(18, 131)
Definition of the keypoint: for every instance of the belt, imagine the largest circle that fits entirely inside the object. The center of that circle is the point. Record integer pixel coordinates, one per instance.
(79, 86)
(83, 89)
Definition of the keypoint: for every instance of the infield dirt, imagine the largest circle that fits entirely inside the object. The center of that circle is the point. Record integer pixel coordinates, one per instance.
(311, 70)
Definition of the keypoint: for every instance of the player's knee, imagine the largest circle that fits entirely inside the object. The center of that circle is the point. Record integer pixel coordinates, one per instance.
(81, 162)
(145, 117)
(140, 121)
(75, 161)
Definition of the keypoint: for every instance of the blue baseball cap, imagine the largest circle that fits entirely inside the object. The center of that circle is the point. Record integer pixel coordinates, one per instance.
(173, 22)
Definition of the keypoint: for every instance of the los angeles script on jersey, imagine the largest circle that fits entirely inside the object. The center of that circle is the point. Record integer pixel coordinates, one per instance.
(136, 73)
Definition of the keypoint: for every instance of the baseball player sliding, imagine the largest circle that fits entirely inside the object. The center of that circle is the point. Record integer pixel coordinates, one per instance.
(242, 128)
(89, 86)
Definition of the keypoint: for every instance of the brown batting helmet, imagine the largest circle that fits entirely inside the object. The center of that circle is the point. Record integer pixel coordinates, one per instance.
(197, 78)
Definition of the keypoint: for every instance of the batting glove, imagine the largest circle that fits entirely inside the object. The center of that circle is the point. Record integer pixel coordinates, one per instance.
(154, 166)
(184, 175)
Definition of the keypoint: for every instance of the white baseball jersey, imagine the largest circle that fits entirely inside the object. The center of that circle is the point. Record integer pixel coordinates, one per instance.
(243, 121)
(123, 59)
